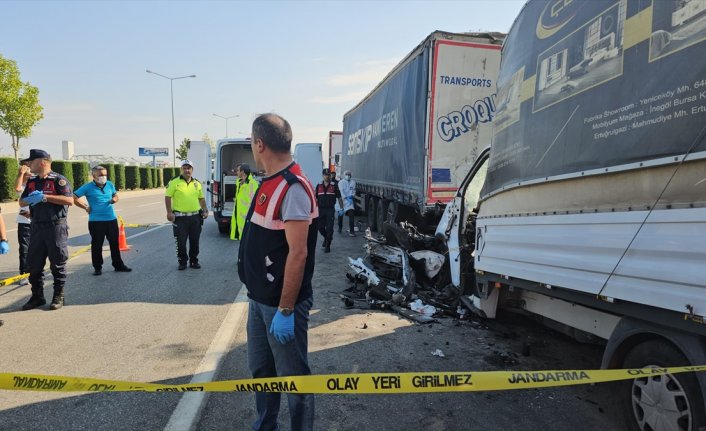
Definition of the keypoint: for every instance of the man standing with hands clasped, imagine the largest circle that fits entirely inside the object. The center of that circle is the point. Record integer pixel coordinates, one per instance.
(276, 264)
(49, 196)
(347, 188)
(186, 209)
(102, 222)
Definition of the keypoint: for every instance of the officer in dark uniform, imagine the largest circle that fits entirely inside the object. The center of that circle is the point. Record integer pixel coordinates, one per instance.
(49, 196)
(326, 195)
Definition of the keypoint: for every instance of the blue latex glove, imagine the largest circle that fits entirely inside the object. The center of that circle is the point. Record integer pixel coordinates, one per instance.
(340, 213)
(34, 198)
(349, 199)
(283, 327)
(4, 247)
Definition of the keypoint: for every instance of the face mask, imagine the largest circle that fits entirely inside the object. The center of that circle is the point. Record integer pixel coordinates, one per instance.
(348, 177)
(102, 180)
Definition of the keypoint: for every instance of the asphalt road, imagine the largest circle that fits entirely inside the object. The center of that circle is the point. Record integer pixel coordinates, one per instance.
(161, 325)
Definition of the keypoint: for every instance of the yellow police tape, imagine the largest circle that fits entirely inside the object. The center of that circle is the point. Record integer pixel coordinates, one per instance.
(372, 383)
(16, 278)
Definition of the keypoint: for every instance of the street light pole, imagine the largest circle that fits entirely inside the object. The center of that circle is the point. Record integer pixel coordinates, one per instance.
(226, 118)
(171, 92)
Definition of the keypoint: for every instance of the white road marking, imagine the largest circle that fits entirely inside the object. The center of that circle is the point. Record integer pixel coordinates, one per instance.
(187, 412)
(151, 203)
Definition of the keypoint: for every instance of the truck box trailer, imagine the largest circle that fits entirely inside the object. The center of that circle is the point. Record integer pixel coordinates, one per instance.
(410, 142)
(335, 146)
(200, 154)
(588, 211)
(309, 157)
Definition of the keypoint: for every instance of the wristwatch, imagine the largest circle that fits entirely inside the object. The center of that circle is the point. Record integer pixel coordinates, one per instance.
(44, 199)
(286, 311)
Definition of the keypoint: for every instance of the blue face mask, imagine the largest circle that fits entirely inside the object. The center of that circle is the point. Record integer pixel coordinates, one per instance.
(348, 177)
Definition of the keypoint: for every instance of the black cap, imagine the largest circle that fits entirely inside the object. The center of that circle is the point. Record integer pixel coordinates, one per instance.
(36, 154)
(326, 172)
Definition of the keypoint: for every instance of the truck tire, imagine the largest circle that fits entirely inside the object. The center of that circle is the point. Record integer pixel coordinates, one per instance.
(372, 215)
(381, 212)
(392, 210)
(670, 401)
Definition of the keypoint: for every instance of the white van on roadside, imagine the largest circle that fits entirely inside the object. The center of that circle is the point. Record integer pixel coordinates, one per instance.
(230, 152)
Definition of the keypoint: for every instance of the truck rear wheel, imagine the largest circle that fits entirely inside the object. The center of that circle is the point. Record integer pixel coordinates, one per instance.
(371, 213)
(669, 401)
(381, 213)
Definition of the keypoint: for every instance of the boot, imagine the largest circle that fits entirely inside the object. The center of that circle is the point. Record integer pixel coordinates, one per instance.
(58, 300)
(34, 302)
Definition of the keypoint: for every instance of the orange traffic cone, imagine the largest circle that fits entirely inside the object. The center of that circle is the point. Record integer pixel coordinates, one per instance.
(122, 239)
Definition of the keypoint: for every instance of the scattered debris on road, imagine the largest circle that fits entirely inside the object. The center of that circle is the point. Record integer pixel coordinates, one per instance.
(406, 272)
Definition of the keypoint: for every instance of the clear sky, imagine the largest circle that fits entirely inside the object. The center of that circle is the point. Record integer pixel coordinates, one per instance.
(309, 61)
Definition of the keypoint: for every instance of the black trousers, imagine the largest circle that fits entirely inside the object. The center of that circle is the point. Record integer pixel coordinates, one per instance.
(351, 221)
(48, 240)
(100, 230)
(187, 227)
(23, 234)
(326, 216)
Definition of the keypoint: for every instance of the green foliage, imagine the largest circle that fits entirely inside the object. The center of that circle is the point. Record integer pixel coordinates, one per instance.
(145, 177)
(119, 176)
(8, 173)
(64, 168)
(110, 167)
(20, 110)
(157, 180)
(183, 149)
(81, 173)
(132, 177)
(167, 174)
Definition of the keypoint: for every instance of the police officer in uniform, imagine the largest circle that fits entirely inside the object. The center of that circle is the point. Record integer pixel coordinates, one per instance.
(49, 196)
(186, 209)
(326, 195)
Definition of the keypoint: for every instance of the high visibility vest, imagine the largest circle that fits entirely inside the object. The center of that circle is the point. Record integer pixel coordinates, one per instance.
(244, 192)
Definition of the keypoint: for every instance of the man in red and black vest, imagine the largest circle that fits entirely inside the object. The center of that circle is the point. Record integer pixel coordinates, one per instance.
(276, 264)
(326, 195)
(49, 197)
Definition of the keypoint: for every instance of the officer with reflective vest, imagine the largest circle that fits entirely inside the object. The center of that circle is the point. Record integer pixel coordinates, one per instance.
(49, 196)
(244, 191)
(276, 264)
(186, 209)
(327, 194)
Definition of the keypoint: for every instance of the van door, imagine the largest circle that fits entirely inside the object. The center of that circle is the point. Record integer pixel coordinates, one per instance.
(458, 224)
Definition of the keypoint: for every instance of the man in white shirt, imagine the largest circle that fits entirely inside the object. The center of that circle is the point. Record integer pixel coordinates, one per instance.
(347, 188)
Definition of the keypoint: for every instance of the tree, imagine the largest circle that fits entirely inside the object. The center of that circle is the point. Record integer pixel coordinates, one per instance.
(20, 110)
(183, 150)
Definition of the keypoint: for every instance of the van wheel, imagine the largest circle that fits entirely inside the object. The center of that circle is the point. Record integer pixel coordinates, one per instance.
(224, 227)
(371, 213)
(669, 401)
(381, 213)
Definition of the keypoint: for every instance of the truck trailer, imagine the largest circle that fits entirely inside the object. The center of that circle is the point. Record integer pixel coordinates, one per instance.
(588, 211)
(410, 142)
